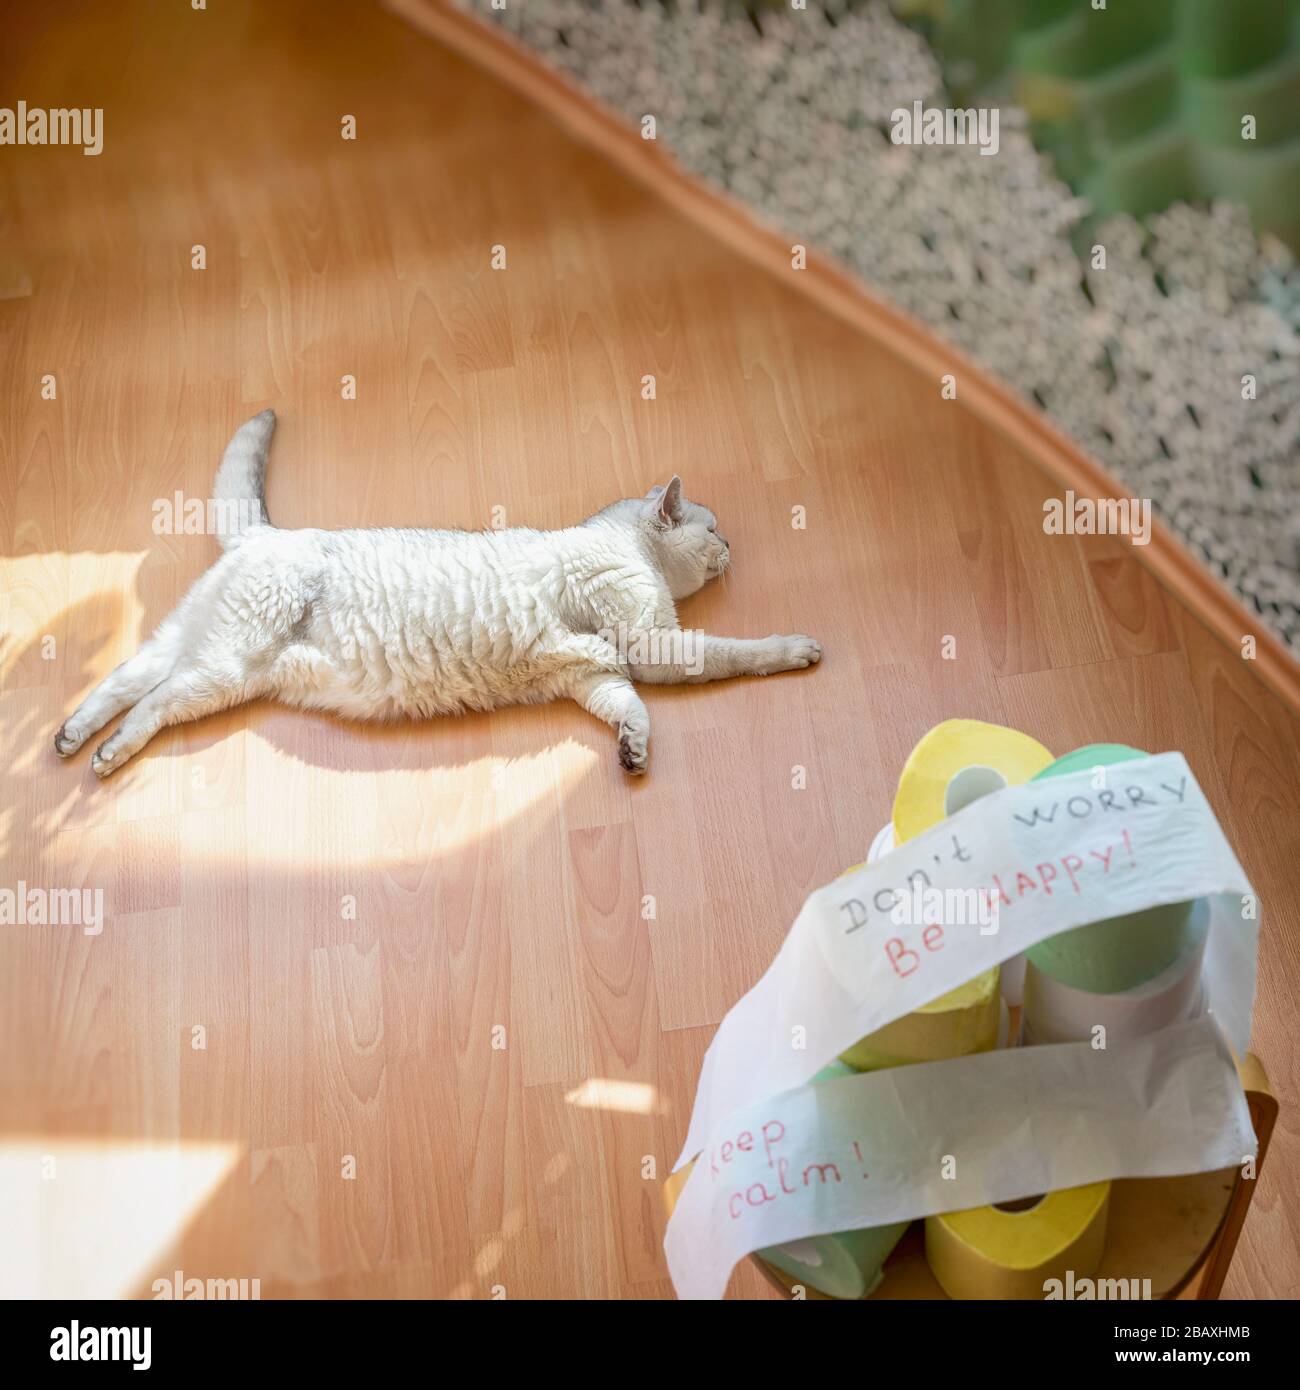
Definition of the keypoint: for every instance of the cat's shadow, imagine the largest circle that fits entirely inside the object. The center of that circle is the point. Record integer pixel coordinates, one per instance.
(317, 738)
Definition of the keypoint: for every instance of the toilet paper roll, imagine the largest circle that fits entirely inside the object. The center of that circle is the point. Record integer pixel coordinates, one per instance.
(957, 762)
(963, 1021)
(954, 1025)
(1197, 1009)
(1055, 1013)
(1013, 980)
(990, 1253)
(1119, 953)
(848, 1264)
(882, 844)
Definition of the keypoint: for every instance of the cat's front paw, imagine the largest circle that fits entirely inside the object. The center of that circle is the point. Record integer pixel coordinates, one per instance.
(791, 654)
(633, 746)
(802, 651)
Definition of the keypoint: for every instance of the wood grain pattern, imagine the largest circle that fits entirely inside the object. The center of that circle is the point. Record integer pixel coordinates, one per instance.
(418, 1011)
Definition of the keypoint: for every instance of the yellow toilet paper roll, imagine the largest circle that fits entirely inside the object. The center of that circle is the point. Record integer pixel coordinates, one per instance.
(963, 1021)
(957, 762)
(991, 1253)
(967, 1019)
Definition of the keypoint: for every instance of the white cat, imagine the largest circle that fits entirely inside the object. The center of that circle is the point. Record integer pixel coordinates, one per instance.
(381, 623)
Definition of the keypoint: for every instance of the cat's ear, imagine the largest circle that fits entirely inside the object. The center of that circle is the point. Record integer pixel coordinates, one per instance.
(668, 512)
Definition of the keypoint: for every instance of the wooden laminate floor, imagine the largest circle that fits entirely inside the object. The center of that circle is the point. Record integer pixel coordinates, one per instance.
(385, 1011)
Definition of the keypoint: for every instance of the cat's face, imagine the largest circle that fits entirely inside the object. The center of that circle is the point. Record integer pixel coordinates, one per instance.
(685, 537)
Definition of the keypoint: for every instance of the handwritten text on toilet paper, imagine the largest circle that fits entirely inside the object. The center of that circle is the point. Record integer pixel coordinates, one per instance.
(869, 1149)
(1069, 870)
(786, 1178)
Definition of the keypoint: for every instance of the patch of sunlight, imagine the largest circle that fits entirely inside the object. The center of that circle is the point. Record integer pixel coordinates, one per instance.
(414, 814)
(89, 1218)
(66, 619)
(41, 595)
(626, 1097)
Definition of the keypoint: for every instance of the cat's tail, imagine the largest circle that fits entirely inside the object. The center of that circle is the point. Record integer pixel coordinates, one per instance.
(240, 488)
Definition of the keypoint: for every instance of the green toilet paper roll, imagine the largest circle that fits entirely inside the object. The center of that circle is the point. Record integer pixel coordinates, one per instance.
(1118, 953)
(847, 1264)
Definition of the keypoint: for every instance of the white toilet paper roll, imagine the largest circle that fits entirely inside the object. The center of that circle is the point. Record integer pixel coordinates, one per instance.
(1013, 980)
(883, 843)
(1197, 1009)
(1056, 1013)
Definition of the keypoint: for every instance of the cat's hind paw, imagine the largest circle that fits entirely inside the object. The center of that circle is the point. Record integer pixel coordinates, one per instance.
(66, 744)
(633, 748)
(108, 757)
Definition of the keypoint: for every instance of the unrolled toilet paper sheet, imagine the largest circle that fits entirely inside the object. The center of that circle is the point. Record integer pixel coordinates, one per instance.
(866, 1150)
(1054, 855)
